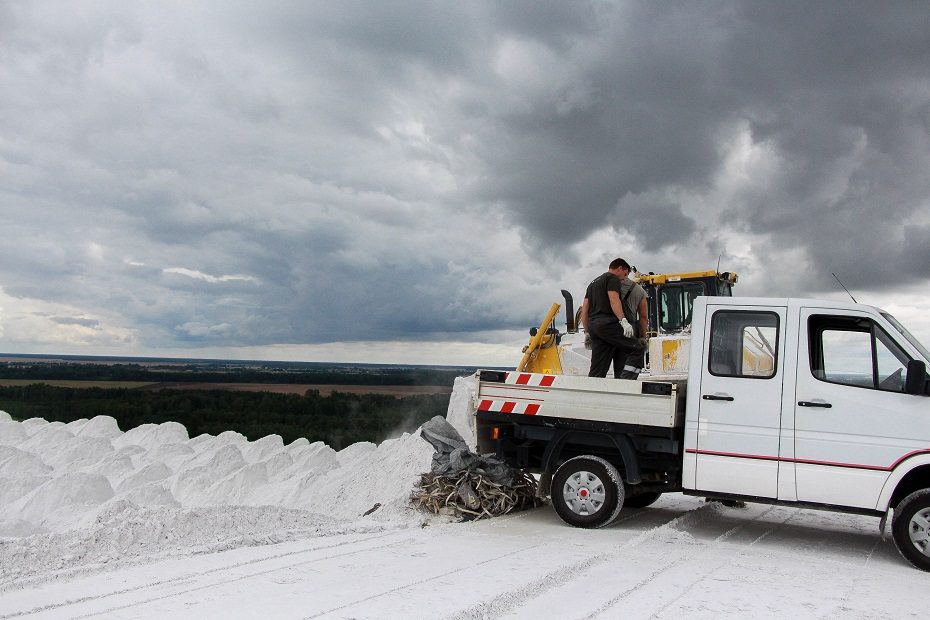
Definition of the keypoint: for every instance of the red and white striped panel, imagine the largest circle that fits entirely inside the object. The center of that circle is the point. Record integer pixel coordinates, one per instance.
(509, 406)
(526, 378)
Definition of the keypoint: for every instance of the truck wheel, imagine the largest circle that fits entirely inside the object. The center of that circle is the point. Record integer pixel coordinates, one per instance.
(910, 528)
(587, 491)
(641, 500)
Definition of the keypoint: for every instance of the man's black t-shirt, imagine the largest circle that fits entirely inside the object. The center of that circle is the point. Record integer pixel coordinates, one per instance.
(596, 294)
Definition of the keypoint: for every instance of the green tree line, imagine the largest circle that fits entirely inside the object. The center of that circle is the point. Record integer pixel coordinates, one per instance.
(228, 374)
(339, 419)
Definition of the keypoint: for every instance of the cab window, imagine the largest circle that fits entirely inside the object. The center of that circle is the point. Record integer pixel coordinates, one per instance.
(743, 344)
(676, 303)
(857, 352)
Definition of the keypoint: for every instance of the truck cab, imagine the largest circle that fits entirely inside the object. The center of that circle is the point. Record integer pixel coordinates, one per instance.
(833, 414)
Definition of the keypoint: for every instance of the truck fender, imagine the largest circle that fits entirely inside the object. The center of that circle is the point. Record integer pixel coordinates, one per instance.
(554, 450)
(901, 472)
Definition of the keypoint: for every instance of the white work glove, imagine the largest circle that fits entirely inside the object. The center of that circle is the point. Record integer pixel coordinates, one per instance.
(627, 328)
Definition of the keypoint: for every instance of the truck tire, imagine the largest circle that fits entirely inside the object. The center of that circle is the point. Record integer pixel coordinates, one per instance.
(587, 491)
(641, 500)
(910, 528)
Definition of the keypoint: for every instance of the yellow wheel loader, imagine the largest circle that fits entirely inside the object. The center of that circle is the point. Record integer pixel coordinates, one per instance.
(671, 299)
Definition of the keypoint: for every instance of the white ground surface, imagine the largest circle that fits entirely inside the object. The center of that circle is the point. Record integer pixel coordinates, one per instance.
(153, 524)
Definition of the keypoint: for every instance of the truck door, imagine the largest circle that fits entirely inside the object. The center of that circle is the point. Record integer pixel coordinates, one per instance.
(853, 421)
(740, 401)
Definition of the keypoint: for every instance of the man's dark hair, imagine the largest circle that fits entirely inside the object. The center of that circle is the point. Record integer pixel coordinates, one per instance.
(619, 262)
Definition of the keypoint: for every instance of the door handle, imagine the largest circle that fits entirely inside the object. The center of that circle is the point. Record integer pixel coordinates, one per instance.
(807, 403)
(717, 397)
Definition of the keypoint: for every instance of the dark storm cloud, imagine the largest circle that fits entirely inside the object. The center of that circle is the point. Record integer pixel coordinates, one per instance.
(656, 224)
(836, 91)
(224, 174)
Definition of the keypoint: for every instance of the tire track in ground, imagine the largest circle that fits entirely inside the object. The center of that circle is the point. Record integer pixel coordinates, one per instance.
(186, 577)
(842, 608)
(506, 602)
(607, 607)
(496, 521)
(467, 567)
(720, 539)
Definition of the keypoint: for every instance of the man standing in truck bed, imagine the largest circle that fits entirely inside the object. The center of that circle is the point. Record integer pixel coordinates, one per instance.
(612, 305)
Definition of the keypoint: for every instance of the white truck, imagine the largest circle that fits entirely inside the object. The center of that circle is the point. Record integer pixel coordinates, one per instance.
(816, 404)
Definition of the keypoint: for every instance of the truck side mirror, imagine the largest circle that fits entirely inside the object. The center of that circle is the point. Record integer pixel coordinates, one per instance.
(916, 382)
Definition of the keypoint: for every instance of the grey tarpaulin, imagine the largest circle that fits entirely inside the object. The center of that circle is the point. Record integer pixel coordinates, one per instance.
(452, 456)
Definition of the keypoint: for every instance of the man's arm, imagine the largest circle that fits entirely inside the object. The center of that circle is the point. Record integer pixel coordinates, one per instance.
(643, 313)
(584, 314)
(615, 304)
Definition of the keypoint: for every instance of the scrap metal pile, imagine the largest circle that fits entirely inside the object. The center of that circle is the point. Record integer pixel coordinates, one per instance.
(466, 485)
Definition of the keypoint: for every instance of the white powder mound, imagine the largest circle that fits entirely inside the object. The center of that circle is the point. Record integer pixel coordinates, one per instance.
(121, 533)
(16, 463)
(153, 472)
(100, 426)
(79, 452)
(5, 417)
(13, 488)
(264, 447)
(87, 493)
(57, 502)
(11, 432)
(45, 439)
(149, 436)
(462, 405)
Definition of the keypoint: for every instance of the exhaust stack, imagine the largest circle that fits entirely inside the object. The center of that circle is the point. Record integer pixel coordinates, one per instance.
(570, 326)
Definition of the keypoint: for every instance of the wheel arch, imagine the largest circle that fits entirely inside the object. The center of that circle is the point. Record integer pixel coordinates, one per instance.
(625, 453)
(915, 479)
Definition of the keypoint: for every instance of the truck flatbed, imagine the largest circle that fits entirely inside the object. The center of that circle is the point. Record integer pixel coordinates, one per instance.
(615, 401)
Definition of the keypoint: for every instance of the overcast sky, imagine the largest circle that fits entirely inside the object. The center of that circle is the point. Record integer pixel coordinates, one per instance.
(413, 182)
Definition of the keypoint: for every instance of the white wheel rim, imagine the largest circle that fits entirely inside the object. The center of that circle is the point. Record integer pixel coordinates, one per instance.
(584, 493)
(919, 531)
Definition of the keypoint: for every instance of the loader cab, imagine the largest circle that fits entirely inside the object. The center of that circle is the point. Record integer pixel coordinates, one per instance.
(672, 295)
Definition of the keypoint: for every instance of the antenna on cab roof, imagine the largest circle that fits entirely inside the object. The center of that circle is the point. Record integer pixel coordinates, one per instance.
(844, 288)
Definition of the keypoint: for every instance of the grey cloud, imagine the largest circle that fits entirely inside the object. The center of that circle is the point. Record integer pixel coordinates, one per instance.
(655, 223)
(69, 320)
(361, 167)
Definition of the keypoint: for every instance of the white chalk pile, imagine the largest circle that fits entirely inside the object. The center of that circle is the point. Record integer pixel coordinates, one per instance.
(76, 496)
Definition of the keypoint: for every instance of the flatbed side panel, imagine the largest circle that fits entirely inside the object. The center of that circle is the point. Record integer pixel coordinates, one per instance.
(581, 398)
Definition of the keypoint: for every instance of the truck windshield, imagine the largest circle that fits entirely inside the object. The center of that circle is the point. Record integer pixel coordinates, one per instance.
(907, 335)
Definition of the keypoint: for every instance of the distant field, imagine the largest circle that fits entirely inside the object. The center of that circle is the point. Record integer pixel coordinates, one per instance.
(277, 388)
(129, 385)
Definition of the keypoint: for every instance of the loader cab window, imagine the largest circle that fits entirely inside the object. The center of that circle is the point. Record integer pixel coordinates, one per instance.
(676, 303)
(744, 344)
(855, 351)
